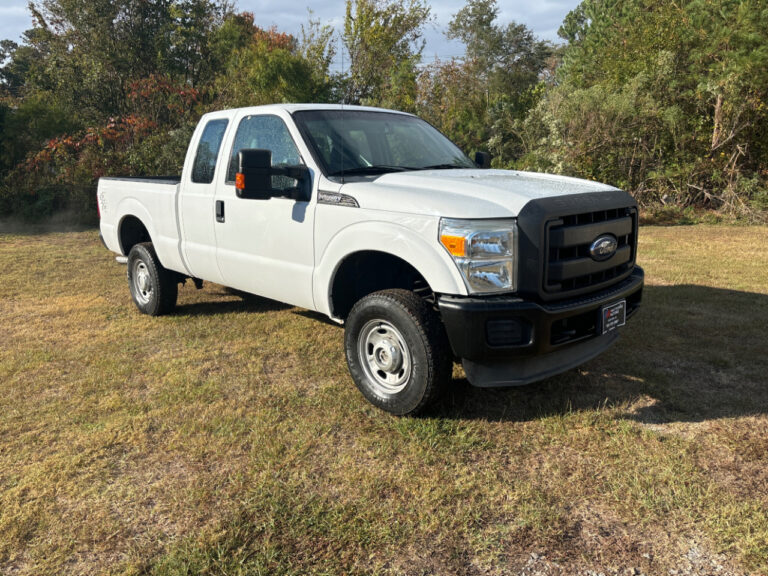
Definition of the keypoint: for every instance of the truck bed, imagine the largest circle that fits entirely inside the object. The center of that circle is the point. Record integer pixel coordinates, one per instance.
(151, 200)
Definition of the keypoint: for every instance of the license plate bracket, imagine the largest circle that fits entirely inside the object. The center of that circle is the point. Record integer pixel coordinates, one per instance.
(613, 315)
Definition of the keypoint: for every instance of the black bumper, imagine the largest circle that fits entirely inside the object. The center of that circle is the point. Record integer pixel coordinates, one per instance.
(495, 330)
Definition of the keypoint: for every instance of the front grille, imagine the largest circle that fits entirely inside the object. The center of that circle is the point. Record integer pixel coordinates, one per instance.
(570, 269)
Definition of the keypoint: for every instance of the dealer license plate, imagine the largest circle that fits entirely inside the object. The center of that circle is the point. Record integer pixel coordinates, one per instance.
(614, 315)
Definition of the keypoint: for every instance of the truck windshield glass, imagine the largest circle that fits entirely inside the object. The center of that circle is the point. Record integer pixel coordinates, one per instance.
(360, 142)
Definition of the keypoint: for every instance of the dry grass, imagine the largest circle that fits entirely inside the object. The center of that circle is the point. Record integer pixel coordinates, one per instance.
(228, 437)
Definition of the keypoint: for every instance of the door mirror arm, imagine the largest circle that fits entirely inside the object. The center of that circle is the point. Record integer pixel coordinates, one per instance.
(483, 160)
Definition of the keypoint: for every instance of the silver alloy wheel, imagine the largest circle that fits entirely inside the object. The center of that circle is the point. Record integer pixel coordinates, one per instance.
(142, 282)
(385, 357)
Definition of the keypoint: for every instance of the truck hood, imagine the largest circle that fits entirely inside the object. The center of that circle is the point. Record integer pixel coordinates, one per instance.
(464, 193)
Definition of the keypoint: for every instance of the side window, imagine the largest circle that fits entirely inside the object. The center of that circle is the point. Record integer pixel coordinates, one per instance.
(208, 151)
(268, 133)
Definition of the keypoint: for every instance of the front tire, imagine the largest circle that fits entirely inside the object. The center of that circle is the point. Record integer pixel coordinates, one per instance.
(153, 288)
(397, 351)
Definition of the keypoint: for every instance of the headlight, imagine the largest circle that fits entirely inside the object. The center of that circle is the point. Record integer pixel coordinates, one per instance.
(485, 252)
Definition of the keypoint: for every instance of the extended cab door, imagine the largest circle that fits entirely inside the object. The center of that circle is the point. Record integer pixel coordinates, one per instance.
(196, 200)
(265, 247)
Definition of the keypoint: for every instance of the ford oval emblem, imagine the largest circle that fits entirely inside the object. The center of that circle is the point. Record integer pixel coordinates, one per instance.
(603, 247)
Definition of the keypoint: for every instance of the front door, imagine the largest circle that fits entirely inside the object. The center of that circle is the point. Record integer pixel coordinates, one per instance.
(265, 247)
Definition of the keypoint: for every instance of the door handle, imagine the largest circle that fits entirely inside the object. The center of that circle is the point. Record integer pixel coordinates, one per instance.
(219, 210)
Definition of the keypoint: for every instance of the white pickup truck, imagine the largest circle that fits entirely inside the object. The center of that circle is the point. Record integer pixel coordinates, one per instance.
(375, 219)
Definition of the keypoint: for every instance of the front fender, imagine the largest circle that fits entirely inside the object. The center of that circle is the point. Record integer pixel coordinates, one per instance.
(405, 242)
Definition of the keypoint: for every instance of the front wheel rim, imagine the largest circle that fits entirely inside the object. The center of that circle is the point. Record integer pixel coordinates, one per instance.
(385, 357)
(142, 282)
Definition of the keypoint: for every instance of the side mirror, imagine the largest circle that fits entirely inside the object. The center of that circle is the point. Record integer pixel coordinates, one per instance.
(483, 159)
(253, 179)
(255, 172)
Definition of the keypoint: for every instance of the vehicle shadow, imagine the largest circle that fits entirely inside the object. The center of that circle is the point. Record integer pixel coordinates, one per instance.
(317, 316)
(691, 354)
(238, 302)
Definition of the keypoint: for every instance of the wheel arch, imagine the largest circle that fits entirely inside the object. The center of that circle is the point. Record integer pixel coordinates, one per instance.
(363, 259)
(134, 224)
(131, 231)
(367, 271)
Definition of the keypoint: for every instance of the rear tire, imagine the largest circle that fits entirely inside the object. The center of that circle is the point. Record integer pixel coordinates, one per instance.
(397, 351)
(153, 288)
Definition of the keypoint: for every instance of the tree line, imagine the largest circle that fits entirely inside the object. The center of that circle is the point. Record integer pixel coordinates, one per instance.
(668, 100)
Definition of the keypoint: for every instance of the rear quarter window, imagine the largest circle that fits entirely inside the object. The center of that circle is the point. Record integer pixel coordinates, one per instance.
(208, 151)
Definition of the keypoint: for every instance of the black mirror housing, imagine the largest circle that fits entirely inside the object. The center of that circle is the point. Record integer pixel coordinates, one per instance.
(483, 159)
(253, 179)
(255, 172)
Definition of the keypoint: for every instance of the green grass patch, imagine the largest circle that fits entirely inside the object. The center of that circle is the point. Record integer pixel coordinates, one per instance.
(228, 437)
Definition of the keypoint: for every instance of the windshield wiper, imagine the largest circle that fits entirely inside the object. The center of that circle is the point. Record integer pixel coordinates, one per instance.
(440, 167)
(363, 170)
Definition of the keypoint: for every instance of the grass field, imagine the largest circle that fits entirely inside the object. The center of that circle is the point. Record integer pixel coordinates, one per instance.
(228, 438)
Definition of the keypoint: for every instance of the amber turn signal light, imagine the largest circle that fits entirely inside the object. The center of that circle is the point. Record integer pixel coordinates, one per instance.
(240, 181)
(456, 245)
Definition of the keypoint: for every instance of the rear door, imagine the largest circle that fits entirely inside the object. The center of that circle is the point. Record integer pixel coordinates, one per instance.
(197, 212)
(265, 247)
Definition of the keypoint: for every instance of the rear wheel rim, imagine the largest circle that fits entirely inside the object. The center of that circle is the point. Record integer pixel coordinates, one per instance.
(385, 357)
(142, 282)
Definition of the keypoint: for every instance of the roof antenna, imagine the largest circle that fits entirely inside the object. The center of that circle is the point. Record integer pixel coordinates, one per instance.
(343, 101)
(343, 71)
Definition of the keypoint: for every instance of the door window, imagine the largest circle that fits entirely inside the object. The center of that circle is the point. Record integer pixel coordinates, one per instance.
(267, 133)
(208, 151)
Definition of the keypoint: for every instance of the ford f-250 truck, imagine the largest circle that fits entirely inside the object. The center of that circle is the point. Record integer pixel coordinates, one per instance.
(375, 219)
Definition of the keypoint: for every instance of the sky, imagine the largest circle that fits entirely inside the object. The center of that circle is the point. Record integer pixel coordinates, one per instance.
(542, 16)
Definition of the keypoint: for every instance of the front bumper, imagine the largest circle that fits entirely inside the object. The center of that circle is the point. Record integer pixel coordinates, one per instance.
(507, 341)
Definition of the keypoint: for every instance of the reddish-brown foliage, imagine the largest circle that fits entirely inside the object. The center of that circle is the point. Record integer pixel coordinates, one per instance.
(160, 99)
(273, 39)
(89, 155)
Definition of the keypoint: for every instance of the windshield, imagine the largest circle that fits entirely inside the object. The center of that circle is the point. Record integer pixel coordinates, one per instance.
(362, 142)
